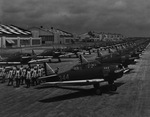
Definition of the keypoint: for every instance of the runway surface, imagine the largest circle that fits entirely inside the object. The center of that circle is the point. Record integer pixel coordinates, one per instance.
(132, 98)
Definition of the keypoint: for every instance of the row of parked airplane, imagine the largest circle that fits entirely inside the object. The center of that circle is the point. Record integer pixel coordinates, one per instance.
(109, 65)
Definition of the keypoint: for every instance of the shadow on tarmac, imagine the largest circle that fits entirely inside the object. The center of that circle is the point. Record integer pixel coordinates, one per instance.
(80, 93)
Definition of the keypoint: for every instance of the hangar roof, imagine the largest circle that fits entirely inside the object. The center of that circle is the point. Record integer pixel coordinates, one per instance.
(13, 30)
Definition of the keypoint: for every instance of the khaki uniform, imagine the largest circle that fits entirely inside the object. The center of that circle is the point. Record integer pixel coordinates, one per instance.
(34, 77)
(28, 79)
(23, 76)
(10, 77)
(39, 74)
(17, 78)
(3, 75)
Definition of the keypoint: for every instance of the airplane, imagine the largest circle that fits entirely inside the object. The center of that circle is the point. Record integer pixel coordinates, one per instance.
(67, 52)
(16, 59)
(1, 58)
(84, 73)
(110, 56)
(117, 54)
(73, 51)
(20, 58)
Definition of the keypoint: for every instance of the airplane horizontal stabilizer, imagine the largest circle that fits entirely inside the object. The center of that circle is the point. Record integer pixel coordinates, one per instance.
(40, 60)
(75, 82)
(45, 77)
(66, 55)
(10, 63)
(44, 57)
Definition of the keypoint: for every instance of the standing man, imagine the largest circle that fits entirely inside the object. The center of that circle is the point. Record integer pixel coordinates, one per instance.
(23, 76)
(3, 74)
(10, 77)
(17, 78)
(13, 74)
(28, 78)
(39, 74)
(21, 68)
(34, 76)
(31, 80)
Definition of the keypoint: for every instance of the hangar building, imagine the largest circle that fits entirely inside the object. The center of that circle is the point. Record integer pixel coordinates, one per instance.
(52, 36)
(13, 36)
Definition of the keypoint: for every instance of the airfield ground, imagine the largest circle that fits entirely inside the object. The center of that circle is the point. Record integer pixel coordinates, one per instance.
(132, 98)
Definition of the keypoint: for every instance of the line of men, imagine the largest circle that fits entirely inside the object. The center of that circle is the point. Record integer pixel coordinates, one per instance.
(22, 75)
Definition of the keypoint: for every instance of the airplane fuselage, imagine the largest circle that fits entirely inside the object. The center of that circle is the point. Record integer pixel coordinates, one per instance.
(90, 70)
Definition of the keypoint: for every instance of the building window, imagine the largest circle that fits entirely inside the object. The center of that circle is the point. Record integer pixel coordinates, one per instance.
(15, 42)
(36, 42)
(24, 42)
(67, 40)
(47, 38)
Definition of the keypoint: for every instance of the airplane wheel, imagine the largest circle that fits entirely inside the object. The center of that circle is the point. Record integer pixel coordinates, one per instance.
(113, 87)
(96, 86)
(98, 91)
(110, 82)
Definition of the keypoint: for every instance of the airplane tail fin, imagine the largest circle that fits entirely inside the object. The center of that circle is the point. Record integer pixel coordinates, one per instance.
(83, 60)
(33, 53)
(98, 53)
(34, 56)
(1, 58)
(109, 50)
(49, 70)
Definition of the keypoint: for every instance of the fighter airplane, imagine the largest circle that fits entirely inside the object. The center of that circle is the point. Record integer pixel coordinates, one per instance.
(84, 73)
(57, 53)
(124, 53)
(16, 59)
(21, 58)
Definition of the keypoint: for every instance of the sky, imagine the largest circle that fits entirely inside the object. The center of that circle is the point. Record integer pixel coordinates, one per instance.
(127, 17)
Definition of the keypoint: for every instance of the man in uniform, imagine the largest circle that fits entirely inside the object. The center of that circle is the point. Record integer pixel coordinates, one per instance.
(28, 78)
(14, 73)
(34, 77)
(3, 75)
(39, 74)
(31, 80)
(10, 77)
(23, 76)
(17, 78)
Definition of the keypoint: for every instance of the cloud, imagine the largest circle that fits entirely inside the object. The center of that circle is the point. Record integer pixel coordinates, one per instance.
(120, 4)
(122, 16)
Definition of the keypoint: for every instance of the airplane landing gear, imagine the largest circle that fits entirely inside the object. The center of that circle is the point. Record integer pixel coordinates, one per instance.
(98, 91)
(113, 87)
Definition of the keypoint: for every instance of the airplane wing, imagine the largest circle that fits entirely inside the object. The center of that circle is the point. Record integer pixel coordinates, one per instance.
(44, 57)
(66, 55)
(40, 60)
(10, 63)
(74, 82)
(25, 57)
(49, 76)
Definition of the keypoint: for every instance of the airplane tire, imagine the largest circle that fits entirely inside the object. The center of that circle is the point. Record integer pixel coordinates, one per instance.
(96, 86)
(113, 87)
(110, 82)
(98, 91)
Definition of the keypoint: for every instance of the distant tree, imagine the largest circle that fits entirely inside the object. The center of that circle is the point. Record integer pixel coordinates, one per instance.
(91, 33)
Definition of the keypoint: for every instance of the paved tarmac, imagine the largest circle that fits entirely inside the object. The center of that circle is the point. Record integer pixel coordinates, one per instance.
(132, 98)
